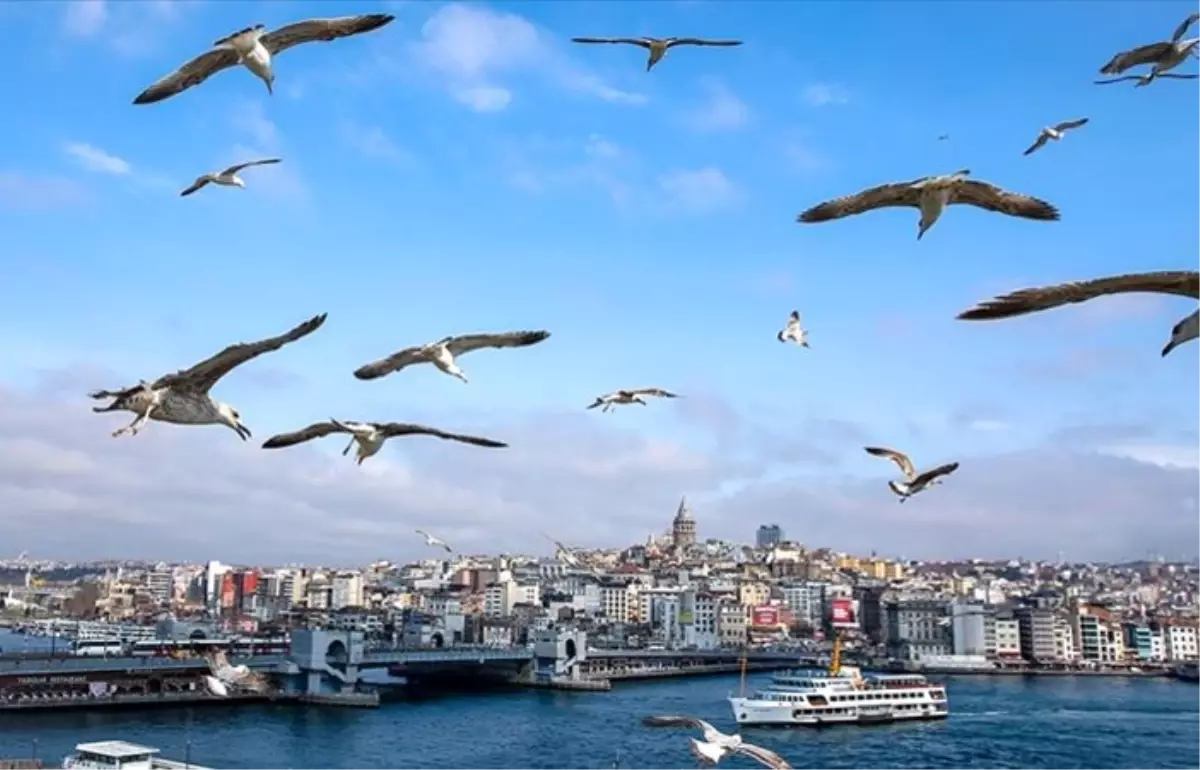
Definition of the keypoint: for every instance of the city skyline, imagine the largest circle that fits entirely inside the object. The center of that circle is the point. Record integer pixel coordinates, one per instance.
(647, 222)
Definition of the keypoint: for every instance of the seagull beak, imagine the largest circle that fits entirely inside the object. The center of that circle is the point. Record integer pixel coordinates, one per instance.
(243, 431)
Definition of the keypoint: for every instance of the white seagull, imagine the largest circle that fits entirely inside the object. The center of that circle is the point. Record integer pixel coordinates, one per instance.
(710, 754)
(434, 541)
(371, 436)
(1054, 132)
(239, 676)
(254, 47)
(1163, 56)
(229, 177)
(1182, 283)
(443, 352)
(932, 194)
(657, 46)
(710, 733)
(182, 398)
(915, 482)
(793, 331)
(611, 400)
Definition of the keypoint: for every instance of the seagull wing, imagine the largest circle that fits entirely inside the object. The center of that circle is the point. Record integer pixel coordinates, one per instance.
(1069, 124)
(191, 74)
(1038, 144)
(899, 458)
(1182, 29)
(201, 377)
(1110, 81)
(638, 41)
(657, 392)
(927, 476)
(764, 757)
(1146, 54)
(893, 194)
(990, 197)
(240, 166)
(312, 30)
(393, 363)
(391, 429)
(1185, 283)
(465, 343)
(700, 41)
(316, 430)
(200, 182)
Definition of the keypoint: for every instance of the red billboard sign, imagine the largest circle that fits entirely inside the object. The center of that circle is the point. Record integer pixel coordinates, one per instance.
(764, 616)
(842, 612)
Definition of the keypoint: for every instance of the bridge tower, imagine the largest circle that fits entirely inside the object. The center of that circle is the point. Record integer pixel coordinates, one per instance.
(557, 654)
(328, 660)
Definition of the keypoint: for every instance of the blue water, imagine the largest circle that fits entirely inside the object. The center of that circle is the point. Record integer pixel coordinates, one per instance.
(1073, 722)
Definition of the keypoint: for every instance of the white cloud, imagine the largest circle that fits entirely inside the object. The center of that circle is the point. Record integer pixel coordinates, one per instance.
(599, 147)
(802, 157)
(722, 111)
(84, 18)
(373, 142)
(130, 29)
(540, 166)
(1163, 455)
(699, 190)
(94, 159)
(825, 94)
(471, 47)
(30, 192)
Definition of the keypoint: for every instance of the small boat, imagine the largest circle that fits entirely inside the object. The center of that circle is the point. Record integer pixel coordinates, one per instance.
(121, 755)
(1187, 671)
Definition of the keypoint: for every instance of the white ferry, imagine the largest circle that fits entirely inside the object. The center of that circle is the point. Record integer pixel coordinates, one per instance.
(121, 755)
(841, 695)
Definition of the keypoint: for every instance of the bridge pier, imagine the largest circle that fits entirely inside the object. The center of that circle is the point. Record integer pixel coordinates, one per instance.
(558, 656)
(327, 667)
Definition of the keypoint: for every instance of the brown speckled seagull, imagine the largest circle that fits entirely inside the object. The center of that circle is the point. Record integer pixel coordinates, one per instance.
(931, 195)
(914, 482)
(1163, 56)
(443, 352)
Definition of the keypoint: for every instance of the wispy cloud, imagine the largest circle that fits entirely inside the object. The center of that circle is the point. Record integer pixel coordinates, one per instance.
(128, 28)
(373, 142)
(539, 166)
(472, 48)
(99, 161)
(699, 190)
(825, 95)
(801, 156)
(84, 18)
(28, 192)
(262, 139)
(721, 111)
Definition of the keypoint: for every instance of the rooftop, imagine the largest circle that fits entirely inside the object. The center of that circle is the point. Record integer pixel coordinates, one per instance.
(116, 749)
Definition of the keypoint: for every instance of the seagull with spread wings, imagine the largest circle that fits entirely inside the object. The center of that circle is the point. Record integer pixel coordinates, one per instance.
(229, 177)
(222, 675)
(1054, 132)
(932, 194)
(793, 332)
(914, 482)
(443, 352)
(436, 542)
(611, 400)
(371, 436)
(657, 46)
(1181, 283)
(1145, 80)
(1163, 56)
(182, 398)
(710, 754)
(254, 48)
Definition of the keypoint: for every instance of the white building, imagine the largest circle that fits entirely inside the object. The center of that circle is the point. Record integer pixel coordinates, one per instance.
(1008, 638)
(620, 603)
(346, 590)
(1181, 642)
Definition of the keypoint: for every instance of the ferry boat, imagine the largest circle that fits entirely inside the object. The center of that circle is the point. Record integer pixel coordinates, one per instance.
(121, 755)
(840, 695)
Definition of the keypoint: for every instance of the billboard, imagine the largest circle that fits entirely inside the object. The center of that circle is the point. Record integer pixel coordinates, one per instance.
(764, 616)
(841, 613)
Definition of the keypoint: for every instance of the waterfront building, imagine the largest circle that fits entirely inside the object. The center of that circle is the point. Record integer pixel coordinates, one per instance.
(1039, 641)
(768, 535)
(918, 628)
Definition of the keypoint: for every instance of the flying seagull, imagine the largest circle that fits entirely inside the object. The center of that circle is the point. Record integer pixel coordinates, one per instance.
(657, 46)
(1183, 283)
(433, 541)
(711, 753)
(1054, 132)
(914, 482)
(611, 400)
(710, 733)
(228, 177)
(370, 436)
(254, 48)
(443, 352)
(943, 137)
(1145, 80)
(1163, 56)
(182, 398)
(793, 331)
(931, 195)
(239, 676)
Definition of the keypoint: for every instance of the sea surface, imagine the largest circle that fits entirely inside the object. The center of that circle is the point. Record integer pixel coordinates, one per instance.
(1059, 722)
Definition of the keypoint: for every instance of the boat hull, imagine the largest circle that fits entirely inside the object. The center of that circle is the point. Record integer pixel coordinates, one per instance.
(762, 713)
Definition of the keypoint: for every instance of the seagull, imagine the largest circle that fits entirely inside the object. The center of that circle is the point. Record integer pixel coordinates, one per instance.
(711, 734)
(1054, 132)
(1145, 80)
(254, 47)
(1183, 283)
(239, 676)
(611, 400)
(657, 46)
(443, 352)
(793, 331)
(436, 542)
(182, 398)
(931, 195)
(915, 482)
(562, 552)
(1163, 56)
(370, 436)
(215, 686)
(228, 177)
(712, 753)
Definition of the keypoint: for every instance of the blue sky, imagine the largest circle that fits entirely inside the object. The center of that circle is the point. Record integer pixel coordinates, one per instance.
(467, 168)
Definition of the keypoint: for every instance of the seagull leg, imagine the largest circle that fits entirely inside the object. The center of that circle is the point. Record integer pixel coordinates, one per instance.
(133, 427)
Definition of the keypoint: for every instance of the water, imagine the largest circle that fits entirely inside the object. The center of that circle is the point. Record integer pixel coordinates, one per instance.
(1069, 722)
